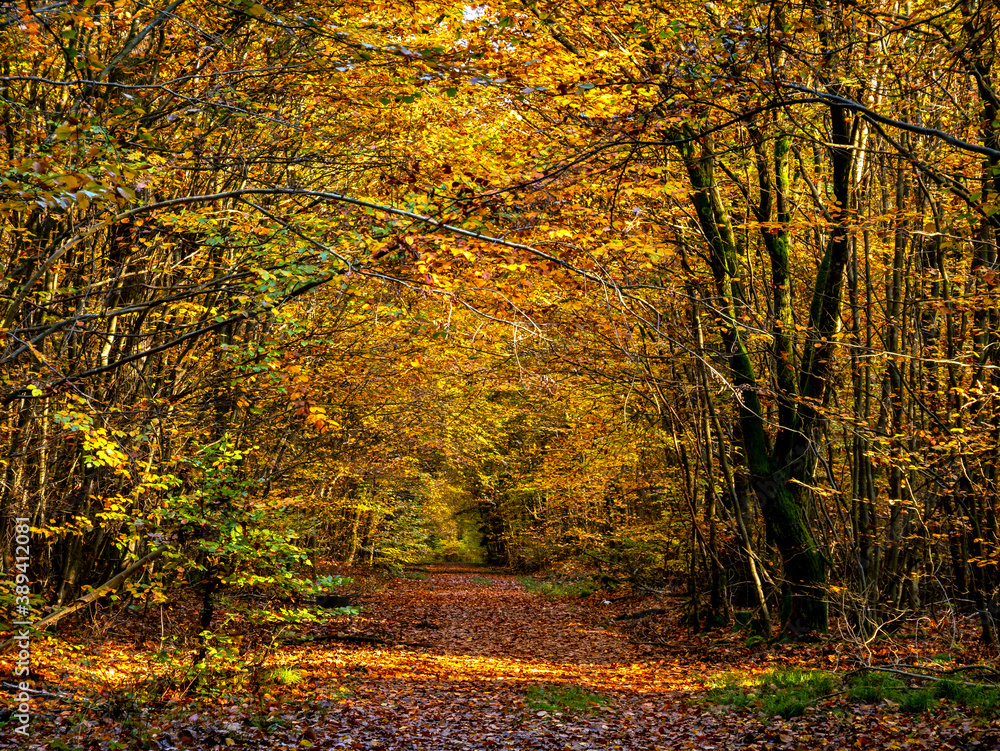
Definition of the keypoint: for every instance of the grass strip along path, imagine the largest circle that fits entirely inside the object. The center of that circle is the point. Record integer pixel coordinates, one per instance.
(462, 659)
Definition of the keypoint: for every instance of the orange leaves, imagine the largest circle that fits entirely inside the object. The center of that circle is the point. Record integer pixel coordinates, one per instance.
(313, 416)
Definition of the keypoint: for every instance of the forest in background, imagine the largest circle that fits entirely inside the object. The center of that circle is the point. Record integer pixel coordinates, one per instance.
(696, 294)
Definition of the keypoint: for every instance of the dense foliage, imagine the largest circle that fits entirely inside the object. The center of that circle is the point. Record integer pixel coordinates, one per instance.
(690, 292)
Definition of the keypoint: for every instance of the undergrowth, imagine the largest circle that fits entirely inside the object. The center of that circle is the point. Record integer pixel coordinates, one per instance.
(568, 588)
(414, 575)
(565, 699)
(780, 692)
(790, 692)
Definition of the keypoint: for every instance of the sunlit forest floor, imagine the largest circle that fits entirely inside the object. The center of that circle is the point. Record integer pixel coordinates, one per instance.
(461, 658)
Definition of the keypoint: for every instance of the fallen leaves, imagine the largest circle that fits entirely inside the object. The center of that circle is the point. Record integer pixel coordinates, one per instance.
(468, 686)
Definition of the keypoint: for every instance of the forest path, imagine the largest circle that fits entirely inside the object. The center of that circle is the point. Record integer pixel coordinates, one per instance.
(463, 659)
(482, 648)
(483, 645)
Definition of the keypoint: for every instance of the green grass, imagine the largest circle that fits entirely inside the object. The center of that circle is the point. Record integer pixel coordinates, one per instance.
(917, 702)
(788, 693)
(983, 700)
(414, 575)
(780, 692)
(569, 588)
(976, 699)
(564, 699)
(284, 675)
(482, 581)
(875, 686)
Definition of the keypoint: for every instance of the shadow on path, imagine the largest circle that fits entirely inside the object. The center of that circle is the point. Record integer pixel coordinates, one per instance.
(486, 642)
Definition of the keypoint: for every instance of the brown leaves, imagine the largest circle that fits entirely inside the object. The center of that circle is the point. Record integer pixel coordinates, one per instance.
(489, 642)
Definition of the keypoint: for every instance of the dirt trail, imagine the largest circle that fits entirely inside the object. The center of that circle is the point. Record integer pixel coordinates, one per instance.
(485, 644)
(480, 650)
(494, 616)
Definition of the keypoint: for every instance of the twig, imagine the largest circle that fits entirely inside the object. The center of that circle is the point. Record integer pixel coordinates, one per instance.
(39, 692)
(90, 597)
(917, 676)
(650, 589)
(640, 614)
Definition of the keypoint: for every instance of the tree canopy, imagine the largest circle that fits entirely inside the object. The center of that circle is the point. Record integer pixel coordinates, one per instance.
(692, 292)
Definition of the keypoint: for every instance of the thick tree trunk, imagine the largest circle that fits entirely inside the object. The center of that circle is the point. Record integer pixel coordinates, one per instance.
(770, 470)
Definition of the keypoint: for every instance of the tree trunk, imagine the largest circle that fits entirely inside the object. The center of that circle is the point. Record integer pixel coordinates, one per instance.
(784, 515)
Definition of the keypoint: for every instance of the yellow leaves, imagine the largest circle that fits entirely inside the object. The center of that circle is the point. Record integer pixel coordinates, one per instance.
(103, 450)
(464, 253)
(317, 418)
(66, 130)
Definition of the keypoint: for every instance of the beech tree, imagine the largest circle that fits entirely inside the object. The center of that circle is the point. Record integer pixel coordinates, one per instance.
(685, 291)
(799, 93)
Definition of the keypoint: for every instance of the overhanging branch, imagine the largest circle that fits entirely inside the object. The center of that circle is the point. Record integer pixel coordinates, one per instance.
(850, 104)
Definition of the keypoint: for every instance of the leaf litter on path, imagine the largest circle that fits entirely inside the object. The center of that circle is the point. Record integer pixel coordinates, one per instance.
(483, 647)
